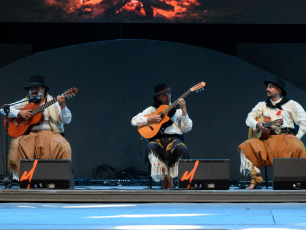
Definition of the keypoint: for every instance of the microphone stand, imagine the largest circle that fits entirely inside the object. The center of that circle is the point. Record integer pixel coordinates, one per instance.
(6, 109)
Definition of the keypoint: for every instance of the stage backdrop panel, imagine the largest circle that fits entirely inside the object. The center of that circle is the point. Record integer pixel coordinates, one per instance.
(115, 81)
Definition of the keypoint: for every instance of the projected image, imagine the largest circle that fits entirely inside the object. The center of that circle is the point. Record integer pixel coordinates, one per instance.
(186, 11)
(138, 10)
(160, 11)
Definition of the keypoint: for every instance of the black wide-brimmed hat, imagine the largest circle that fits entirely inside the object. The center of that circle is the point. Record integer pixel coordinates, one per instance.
(36, 81)
(279, 83)
(162, 88)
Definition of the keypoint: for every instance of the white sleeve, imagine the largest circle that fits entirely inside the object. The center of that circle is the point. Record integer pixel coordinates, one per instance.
(185, 123)
(13, 111)
(65, 114)
(140, 118)
(299, 117)
(256, 112)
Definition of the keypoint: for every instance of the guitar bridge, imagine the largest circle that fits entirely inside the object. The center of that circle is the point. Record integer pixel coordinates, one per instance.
(15, 122)
(150, 127)
(162, 130)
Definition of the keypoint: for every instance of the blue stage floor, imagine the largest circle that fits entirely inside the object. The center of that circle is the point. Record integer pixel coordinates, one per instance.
(247, 216)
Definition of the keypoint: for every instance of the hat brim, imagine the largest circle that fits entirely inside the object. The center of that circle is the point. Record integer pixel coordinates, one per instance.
(38, 85)
(266, 82)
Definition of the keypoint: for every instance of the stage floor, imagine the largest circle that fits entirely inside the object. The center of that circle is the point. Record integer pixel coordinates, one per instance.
(136, 207)
(140, 194)
(246, 216)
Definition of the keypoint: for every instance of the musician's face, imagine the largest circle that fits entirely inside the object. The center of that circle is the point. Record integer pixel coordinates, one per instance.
(165, 98)
(34, 91)
(273, 91)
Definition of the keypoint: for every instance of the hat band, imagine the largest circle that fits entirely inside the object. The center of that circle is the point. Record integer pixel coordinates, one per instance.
(36, 83)
(163, 91)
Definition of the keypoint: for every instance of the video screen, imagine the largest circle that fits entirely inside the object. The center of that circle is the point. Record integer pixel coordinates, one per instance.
(155, 11)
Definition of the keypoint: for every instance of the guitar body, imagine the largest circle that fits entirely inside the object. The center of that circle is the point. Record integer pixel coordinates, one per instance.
(150, 130)
(258, 133)
(19, 126)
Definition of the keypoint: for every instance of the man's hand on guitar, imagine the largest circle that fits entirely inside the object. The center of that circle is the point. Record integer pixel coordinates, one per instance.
(25, 114)
(182, 104)
(260, 127)
(61, 101)
(154, 119)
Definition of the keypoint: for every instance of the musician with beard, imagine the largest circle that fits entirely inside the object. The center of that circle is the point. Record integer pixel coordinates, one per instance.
(44, 141)
(166, 148)
(282, 143)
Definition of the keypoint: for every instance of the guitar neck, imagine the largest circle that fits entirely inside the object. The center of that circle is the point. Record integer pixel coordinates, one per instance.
(166, 111)
(268, 124)
(42, 107)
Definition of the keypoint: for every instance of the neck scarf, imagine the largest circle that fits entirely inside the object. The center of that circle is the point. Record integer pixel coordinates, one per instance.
(279, 104)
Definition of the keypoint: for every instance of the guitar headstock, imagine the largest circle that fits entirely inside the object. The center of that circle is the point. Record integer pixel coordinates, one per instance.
(278, 122)
(69, 93)
(198, 87)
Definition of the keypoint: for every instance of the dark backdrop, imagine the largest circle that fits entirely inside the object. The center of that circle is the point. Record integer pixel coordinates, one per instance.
(115, 81)
(277, 48)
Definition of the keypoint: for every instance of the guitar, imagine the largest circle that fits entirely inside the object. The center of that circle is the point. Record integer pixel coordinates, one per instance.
(150, 130)
(18, 126)
(267, 124)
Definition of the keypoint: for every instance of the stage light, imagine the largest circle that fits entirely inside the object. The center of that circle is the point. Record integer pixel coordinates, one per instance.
(101, 206)
(159, 227)
(265, 228)
(149, 215)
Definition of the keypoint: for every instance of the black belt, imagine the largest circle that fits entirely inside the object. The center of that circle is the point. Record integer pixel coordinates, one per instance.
(282, 131)
(159, 136)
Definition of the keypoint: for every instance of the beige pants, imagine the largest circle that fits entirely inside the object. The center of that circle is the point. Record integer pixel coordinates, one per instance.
(43, 144)
(256, 153)
(262, 152)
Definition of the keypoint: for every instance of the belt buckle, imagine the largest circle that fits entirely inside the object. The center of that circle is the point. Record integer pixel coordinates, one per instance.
(278, 131)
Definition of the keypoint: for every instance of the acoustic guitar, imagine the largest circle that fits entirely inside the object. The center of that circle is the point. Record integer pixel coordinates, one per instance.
(150, 130)
(267, 123)
(18, 126)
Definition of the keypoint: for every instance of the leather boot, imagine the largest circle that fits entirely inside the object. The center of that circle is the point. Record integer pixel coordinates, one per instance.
(256, 178)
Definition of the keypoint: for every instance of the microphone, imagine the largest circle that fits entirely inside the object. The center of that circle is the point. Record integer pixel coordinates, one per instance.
(38, 98)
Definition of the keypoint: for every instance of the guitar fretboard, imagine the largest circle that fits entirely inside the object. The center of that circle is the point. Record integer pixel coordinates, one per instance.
(270, 123)
(166, 111)
(267, 124)
(42, 107)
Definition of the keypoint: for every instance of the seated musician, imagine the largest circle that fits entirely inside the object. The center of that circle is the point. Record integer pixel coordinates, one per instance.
(44, 140)
(165, 149)
(281, 143)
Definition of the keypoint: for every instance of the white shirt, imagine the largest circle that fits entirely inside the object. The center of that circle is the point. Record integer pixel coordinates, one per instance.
(181, 124)
(291, 111)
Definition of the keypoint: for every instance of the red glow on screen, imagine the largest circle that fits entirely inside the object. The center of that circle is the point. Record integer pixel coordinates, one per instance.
(167, 9)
